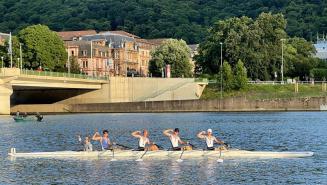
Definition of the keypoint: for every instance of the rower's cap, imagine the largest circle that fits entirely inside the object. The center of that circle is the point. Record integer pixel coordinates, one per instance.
(209, 130)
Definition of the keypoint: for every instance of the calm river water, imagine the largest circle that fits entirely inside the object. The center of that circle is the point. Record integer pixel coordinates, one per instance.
(289, 131)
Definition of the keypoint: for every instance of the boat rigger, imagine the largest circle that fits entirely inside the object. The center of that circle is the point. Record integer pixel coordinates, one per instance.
(161, 154)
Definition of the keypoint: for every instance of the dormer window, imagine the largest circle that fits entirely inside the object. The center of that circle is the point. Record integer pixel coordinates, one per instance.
(84, 53)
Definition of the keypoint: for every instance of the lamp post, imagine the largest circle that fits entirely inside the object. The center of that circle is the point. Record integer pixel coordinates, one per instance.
(21, 55)
(2, 62)
(282, 66)
(92, 58)
(18, 63)
(221, 70)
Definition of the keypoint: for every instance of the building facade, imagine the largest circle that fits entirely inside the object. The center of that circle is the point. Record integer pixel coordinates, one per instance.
(93, 57)
(117, 53)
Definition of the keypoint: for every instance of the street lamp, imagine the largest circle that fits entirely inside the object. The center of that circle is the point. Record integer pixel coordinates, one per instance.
(282, 66)
(2, 62)
(221, 70)
(18, 63)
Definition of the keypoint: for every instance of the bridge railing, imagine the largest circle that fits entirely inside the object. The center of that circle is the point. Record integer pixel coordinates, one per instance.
(59, 74)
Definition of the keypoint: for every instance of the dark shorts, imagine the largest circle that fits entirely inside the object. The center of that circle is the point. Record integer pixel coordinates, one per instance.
(140, 149)
(177, 149)
(210, 148)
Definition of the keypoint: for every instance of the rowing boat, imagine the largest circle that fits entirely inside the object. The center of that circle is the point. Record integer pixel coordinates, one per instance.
(28, 118)
(162, 154)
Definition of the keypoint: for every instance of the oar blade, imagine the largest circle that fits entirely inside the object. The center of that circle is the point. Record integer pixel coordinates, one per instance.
(179, 160)
(220, 160)
(139, 160)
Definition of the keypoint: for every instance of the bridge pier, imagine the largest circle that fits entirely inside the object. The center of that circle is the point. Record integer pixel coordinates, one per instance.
(5, 93)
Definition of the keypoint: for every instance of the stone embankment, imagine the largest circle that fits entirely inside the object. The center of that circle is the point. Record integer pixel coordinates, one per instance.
(231, 104)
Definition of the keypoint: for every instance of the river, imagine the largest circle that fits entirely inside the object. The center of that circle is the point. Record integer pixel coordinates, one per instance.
(273, 131)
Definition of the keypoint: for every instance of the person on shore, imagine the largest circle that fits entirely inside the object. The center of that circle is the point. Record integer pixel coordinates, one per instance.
(104, 140)
(18, 113)
(144, 142)
(210, 139)
(25, 115)
(87, 144)
(175, 140)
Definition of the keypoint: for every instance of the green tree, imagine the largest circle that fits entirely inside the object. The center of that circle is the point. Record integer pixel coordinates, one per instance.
(256, 42)
(74, 66)
(173, 52)
(42, 47)
(228, 77)
(241, 79)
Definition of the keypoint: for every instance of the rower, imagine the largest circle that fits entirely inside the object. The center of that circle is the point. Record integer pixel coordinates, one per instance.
(38, 116)
(144, 140)
(209, 138)
(104, 140)
(87, 144)
(174, 138)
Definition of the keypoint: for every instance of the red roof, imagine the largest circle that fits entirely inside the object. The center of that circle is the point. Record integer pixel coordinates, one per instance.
(69, 35)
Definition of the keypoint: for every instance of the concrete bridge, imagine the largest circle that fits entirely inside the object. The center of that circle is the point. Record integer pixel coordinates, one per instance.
(13, 80)
(22, 89)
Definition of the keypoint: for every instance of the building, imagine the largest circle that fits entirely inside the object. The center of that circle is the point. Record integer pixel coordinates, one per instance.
(128, 54)
(74, 35)
(93, 57)
(131, 55)
(321, 48)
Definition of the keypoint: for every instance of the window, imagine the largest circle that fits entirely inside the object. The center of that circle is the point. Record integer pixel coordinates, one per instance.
(84, 53)
(72, 53)
(116, 55)
(85, 64)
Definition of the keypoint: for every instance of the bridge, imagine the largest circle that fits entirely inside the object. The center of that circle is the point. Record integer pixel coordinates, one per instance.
(14, 79)
(26, 90)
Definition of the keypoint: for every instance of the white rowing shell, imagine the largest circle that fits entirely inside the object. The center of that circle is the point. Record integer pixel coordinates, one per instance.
(163, 154)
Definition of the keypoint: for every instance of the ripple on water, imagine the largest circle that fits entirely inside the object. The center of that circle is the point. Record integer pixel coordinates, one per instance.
(290, 131)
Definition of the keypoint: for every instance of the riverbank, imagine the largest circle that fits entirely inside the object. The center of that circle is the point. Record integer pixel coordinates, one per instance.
(234, 104)
(267, 91)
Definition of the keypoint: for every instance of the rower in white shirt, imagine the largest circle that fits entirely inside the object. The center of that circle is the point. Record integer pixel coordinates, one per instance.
(174, 138)
(210, 139)
(144, 142)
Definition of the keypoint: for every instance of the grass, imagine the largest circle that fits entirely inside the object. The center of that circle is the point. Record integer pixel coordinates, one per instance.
(266, 91)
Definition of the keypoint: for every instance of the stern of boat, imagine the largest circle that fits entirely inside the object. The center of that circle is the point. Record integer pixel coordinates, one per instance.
(12, 152)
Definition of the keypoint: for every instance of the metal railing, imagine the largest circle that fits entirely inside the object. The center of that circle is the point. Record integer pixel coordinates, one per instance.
(201, 80)
(59, 74)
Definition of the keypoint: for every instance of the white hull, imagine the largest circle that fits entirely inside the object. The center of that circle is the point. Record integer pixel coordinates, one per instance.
(162, 154)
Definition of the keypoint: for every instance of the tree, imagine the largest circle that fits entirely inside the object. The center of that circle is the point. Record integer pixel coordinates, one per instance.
(74, 66)
(42, 47)
(241, 79)
(256, 42)
(228, 78)
(175, 53)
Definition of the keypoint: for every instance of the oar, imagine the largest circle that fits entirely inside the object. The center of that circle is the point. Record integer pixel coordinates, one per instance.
(113, 152)
(180, 157)
(220, 160)
(141, 158)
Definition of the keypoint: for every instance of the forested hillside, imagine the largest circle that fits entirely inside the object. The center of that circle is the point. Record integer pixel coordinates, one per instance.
(186, 19)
